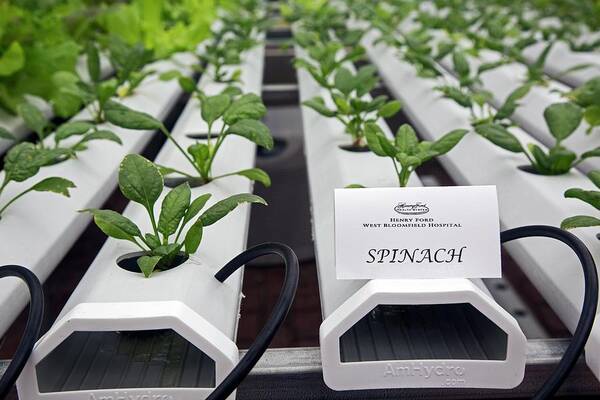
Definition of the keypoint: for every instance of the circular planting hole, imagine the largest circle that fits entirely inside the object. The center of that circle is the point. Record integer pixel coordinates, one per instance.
(354, 148)
(279, 146)
(531, 170)
(59, 160)
(520, 313)
(129, 262)
(200, 136)
(172, 182)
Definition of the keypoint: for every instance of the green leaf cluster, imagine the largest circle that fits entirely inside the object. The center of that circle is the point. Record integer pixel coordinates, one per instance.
(177, 228)
(352, 107)
(591, 197)
(23, 162)
(406, 151)
(236, 114)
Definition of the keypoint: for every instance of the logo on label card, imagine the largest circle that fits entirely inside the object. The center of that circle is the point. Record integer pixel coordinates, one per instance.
(411, 209)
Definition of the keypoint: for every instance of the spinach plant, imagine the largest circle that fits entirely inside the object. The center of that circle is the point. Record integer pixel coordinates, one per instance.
(63, 148)
(562, 120)
(591, 197)
(96, 93)
(226, 52)
(128, 62)
(235, 115)
(142, 182)
(236, 35)
(347, 89)
(22, 162)
(406, 151)
(352, 108)
(325, 58)
(328, 22)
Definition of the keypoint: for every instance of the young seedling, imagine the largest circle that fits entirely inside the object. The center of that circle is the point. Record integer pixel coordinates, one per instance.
(406, 151)
(326, 21)
(142, 182)
(235, 115)
(23, 162)
(128, 62)
(347, 89)
(562, 120)
(591, 197)
(235, 35)
(86, 131)
(96, 93)
(325, 57)
(348, 92)
(225, 53)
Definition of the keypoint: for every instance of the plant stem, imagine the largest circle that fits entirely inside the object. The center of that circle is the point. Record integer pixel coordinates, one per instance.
(404, 176)
(181, 172)
(401, 179)
(4, 183)
(17, 197)
(209, 133)
(178, 234)
(531, 160)
(139, 245)
(153, 220)
(166, 132)
(213, 154)
(145, 242)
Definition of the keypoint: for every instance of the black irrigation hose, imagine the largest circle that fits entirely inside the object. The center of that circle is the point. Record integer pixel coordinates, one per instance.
(588, 310)
(280, 311)
(32, 329)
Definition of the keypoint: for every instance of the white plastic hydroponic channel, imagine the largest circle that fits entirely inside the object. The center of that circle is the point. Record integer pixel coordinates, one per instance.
(372, 336)
(187, 341)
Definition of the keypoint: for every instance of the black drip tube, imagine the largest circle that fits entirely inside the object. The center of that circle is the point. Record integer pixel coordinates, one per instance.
(280, 311)
(32, 329)
(588, 310)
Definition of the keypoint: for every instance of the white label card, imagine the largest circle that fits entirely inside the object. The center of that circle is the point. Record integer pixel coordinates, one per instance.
(417, 232)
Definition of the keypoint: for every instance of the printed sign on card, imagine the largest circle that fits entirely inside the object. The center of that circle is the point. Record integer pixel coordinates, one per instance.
(417, 232)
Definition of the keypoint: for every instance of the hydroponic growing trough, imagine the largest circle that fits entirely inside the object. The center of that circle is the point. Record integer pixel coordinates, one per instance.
(363, 343)
(180, 313)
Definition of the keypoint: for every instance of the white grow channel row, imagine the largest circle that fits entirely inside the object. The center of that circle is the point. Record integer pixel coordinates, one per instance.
(373, 329)
(173, 315)
(561, 58)
(40, 229)
(524, 198)
(501, 81)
